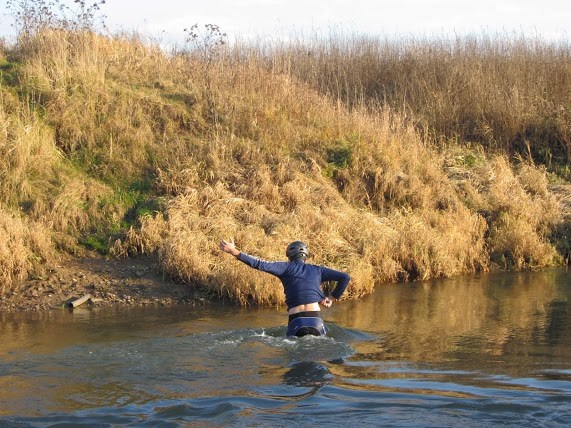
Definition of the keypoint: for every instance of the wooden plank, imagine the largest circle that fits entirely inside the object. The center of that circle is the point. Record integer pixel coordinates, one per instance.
(78, 301)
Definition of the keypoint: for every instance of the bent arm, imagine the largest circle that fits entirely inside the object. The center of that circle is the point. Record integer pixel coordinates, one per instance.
(342, 279)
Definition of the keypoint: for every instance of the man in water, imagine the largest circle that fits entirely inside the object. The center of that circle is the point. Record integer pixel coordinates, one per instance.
(302, 285)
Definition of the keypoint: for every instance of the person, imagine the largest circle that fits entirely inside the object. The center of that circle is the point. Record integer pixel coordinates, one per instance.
(302, 285)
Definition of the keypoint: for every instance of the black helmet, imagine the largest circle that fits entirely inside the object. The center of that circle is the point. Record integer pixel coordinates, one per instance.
(297, 250)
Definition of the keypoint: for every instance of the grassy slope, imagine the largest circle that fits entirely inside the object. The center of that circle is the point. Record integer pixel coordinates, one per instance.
(112, 144)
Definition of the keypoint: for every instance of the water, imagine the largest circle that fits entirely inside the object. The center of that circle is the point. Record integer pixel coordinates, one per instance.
(486, 351)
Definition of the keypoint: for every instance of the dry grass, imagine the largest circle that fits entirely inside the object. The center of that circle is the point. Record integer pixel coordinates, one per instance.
(504, 91)
(26, 163)
(25, 158)
(22, 247)
(246, 151)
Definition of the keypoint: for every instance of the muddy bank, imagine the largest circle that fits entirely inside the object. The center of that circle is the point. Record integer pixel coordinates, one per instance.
(129, 282)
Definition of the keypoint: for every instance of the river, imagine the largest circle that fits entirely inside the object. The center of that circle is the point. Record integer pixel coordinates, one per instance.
(480, 351)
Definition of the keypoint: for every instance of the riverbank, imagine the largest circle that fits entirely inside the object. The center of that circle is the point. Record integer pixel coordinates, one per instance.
(110, 145)
(130, 281)
(109, 282)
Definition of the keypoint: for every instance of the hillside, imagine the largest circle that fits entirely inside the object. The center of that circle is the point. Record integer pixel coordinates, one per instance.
(111, 145)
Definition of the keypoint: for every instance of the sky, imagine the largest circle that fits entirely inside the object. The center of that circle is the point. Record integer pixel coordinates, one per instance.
(165, 20)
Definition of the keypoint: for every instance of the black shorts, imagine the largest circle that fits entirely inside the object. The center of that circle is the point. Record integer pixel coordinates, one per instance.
(304, 323)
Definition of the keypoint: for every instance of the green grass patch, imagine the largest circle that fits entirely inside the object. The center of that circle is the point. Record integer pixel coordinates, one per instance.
(8, 72)
(125, 206)
(98, 243)
(338, 156)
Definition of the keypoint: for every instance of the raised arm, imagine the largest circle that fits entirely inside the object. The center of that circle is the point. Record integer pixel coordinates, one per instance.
(274, 268)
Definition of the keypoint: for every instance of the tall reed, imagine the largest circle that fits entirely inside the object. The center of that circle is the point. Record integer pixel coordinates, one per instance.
(505, 91)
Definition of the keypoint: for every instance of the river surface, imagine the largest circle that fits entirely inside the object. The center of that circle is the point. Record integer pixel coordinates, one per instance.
(479, 351)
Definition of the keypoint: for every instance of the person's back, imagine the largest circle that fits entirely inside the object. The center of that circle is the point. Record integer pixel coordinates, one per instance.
(302, 285)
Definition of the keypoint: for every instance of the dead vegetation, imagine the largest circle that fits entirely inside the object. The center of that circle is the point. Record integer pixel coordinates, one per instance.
(115, 145)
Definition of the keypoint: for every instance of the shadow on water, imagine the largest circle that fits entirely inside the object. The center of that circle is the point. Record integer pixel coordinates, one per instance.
(307, 374)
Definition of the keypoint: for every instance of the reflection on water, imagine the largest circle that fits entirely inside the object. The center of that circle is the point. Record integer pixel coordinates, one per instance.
(480, 351)
(488, 316)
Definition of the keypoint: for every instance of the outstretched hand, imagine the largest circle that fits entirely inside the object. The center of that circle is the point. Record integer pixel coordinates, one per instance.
(326, 302)
(229, 247)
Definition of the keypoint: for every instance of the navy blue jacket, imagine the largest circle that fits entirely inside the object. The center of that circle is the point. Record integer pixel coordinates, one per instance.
(301, 281)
